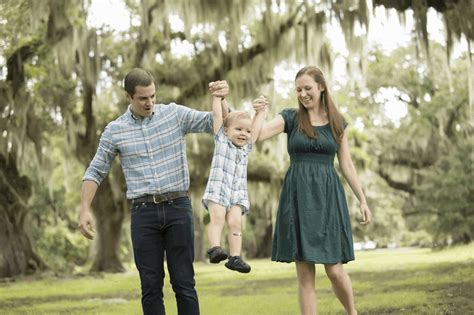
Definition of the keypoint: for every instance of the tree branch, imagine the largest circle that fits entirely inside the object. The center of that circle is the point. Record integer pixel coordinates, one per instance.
(419, 212)
(448, 130)
(15, 63)
(438, 5)
(241, 59)
(407, 187)
(396, 184)
(411, 102)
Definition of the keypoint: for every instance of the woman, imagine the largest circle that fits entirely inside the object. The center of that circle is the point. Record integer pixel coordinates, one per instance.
(313, 224)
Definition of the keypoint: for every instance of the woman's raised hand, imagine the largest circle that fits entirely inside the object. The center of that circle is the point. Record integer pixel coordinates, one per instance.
(260, 103)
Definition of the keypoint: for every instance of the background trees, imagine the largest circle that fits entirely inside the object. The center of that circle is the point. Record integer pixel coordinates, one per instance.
(60, 83)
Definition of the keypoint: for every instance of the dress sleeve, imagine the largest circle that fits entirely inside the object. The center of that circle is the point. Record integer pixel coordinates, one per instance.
(289, 116)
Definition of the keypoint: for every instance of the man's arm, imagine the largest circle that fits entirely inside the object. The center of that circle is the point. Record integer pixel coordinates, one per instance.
(95, 173)
(197, 121)
(86, 221)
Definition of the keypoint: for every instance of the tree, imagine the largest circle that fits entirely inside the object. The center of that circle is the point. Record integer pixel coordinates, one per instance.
(423, 155)
(55, 64)
(21, 134)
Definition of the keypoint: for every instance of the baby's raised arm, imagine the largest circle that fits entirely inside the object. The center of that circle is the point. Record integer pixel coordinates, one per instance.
(260, 105)
(218, 89)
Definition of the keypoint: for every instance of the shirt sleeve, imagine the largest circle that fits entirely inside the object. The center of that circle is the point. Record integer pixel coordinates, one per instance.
(193, 121)
(289, 116)
(220, 135)
(248, 147)
(102, 161)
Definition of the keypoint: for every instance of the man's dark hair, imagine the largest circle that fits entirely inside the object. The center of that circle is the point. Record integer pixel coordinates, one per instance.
(137, 77)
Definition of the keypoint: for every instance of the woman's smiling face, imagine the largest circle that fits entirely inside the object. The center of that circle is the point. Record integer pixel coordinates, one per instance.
(308, 91)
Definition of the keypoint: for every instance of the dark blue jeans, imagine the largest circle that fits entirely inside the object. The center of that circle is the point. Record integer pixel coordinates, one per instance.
(162, 228)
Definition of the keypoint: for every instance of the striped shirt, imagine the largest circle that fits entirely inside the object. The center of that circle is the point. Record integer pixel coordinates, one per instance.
(227, 184)
(152, 150)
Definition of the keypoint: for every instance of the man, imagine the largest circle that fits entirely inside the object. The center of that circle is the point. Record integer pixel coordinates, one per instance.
(149, 139)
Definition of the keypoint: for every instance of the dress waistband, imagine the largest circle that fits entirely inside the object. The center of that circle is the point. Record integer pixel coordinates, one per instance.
(312, 157)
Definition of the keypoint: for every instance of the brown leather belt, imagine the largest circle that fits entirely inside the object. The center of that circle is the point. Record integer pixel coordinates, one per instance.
(161, 197)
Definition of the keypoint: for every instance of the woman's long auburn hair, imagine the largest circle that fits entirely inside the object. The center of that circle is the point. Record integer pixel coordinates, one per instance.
(336, 121)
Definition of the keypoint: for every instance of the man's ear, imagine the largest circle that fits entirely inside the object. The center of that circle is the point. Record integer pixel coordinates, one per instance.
(128, 96)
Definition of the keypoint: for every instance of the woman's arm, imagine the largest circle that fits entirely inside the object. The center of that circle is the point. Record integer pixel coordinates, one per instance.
(350, 174)
(272, 128)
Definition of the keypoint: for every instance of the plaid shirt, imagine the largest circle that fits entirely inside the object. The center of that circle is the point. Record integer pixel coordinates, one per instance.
(152, 150)
(227, 184)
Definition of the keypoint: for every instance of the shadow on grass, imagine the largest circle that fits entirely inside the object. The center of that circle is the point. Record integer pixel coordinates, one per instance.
(30, 301)
(440, 288)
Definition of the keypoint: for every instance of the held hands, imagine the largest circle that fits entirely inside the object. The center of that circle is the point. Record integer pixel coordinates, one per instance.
(366, 214)
(260, 104)
(87, 225)
(219, 88)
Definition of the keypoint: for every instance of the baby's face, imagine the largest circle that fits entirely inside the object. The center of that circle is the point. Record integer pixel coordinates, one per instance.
(239, 131)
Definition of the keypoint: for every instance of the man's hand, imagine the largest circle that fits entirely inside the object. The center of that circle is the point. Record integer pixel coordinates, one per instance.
(219, 88)
(86, 224)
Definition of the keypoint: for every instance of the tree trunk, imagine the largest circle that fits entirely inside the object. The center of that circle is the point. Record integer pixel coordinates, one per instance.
(264, 247)
(17, 256)
(200, 232)
(109, 214)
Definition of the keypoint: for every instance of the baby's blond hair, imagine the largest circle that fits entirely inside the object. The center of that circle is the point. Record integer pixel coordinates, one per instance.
(232, 116)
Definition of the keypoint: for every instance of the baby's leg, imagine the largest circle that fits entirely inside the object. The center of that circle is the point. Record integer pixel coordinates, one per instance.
(234, 222)
(214, 230)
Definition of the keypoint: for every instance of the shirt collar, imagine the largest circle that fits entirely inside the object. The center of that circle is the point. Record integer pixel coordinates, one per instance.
(232, 145)
(136, 118)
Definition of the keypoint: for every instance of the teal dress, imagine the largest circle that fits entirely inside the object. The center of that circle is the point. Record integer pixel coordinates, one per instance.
(313, 223)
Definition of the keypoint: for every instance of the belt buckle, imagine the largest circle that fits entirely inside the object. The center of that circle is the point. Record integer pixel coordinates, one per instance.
(154, 199)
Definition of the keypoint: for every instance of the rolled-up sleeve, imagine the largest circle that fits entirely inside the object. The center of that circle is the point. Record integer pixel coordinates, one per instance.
(192, 121)
(102, 161)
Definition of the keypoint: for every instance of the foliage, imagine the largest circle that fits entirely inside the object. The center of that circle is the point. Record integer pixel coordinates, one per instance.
(60, 83)
(426, 154)
(446, 196)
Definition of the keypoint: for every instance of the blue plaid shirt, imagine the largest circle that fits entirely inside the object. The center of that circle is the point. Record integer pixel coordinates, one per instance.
(152, 150)
(227, 184)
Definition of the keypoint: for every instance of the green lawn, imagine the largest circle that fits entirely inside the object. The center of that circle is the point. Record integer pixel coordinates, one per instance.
(403, 281)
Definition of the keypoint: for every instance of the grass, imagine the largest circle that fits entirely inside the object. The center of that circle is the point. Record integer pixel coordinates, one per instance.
(403, 281)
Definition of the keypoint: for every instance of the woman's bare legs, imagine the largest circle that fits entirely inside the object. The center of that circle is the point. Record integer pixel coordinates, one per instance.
(306, 294)
(342, 286)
